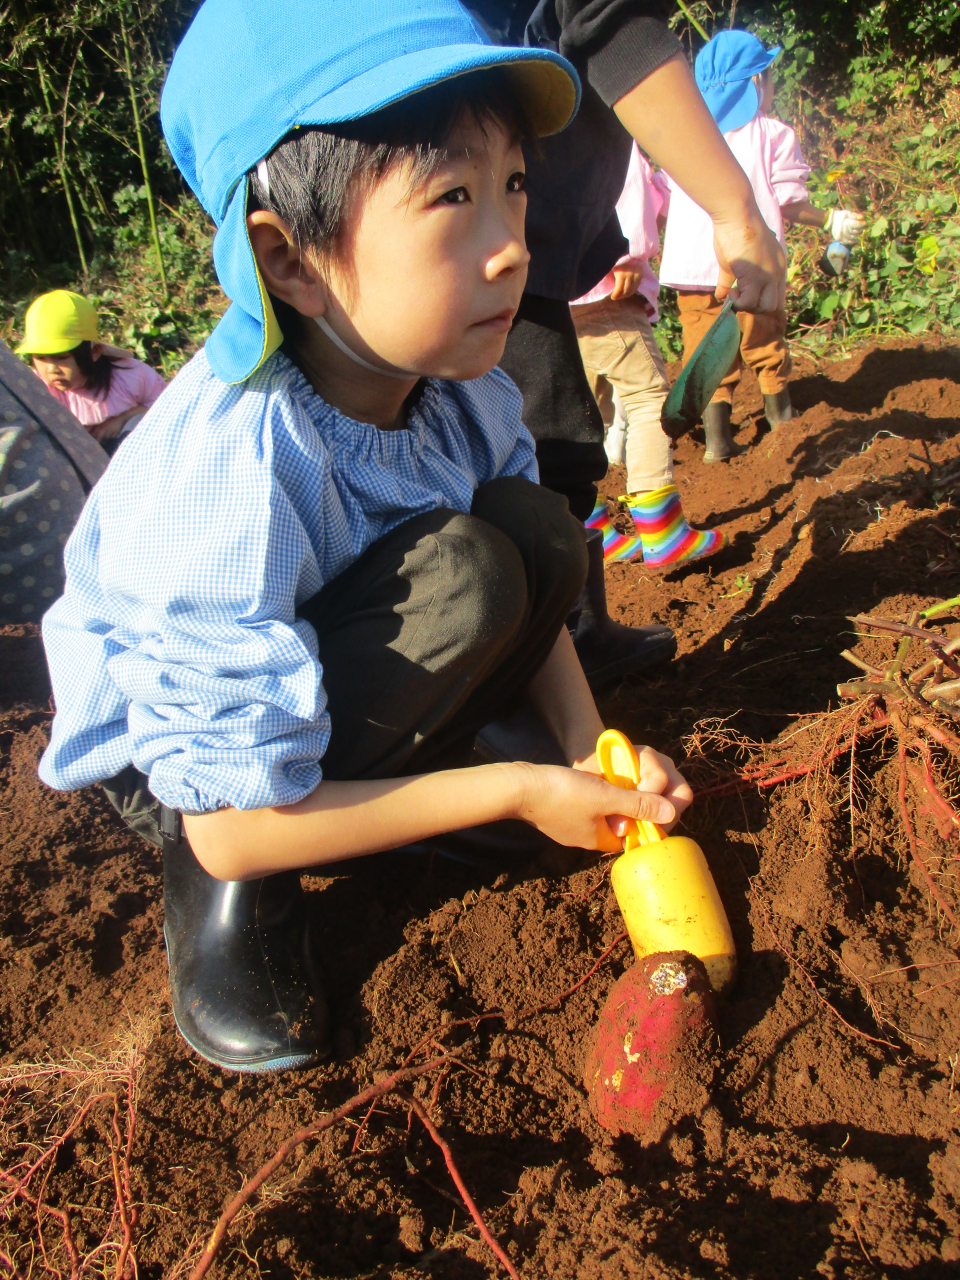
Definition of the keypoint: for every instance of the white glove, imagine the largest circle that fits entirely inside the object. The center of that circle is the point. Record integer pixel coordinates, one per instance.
(845, 225)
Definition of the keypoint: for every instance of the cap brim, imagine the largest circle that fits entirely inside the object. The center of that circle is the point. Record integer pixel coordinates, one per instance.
(548, 84)
(50, 348)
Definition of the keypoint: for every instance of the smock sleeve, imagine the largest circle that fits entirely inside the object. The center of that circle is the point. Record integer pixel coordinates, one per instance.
(788, 169)
(660, 193)
(176, 643)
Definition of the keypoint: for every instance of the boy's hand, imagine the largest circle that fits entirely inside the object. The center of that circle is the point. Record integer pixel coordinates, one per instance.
(577, 808)
(845, 225)
(658, 776)
(111, 427)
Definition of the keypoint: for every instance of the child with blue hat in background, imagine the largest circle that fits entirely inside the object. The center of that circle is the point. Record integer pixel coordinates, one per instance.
(733, 73)
(324, 561)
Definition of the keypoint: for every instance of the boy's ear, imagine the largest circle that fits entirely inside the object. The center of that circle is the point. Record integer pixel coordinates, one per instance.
(287, 273)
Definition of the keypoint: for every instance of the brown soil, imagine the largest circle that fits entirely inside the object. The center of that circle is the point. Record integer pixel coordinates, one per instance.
(824, 1153)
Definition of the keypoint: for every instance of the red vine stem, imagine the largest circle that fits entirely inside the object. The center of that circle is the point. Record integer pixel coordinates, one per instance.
(808, 978)
(742, 784)
(557, 1000)
(370, 1095)
(929, 782)
(912, 840)
(8, 1262)
(61, 1216)
(933, 731)
(287, 1148)
(465, 1196)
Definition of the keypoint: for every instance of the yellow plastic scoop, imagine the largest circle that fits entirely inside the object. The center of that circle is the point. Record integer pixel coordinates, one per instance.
(664, 888)
(620, 765)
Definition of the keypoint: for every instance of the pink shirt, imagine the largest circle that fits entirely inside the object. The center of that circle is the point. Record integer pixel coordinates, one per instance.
(132, 382)
(645, 196)
(769, 154)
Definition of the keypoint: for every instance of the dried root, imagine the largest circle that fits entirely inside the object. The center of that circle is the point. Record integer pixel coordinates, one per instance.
(84, 1091)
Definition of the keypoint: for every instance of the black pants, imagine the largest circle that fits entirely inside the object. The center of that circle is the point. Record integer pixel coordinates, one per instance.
(542, 357)
(434, 631)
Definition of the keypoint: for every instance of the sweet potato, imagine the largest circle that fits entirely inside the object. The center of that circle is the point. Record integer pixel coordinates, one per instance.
(653, 1052)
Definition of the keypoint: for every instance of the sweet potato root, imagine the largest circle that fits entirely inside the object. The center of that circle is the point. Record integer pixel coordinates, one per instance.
(653, 1052)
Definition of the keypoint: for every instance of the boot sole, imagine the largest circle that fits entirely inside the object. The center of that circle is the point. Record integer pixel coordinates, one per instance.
(288, 1062)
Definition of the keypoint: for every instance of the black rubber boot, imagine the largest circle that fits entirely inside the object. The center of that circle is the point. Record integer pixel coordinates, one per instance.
(778, 408)
(521, 736)
(246, 995)
(608, 650)
(719, 433)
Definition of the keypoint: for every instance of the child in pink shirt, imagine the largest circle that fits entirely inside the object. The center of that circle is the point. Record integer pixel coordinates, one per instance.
(614, 323)
(105, 389)
(733, 73)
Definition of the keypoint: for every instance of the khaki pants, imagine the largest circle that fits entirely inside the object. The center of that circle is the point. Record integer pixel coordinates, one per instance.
(762, 344)
(619, 350)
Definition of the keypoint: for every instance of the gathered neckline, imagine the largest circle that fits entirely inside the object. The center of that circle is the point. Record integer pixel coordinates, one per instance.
(350, 431)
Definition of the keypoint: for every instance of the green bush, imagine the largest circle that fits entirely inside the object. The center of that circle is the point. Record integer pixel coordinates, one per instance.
(878, 118)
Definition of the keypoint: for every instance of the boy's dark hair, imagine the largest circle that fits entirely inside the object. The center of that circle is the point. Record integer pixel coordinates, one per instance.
(313, 169)
(99, 372)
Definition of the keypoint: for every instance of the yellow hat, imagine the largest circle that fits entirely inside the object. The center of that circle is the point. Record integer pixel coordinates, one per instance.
(57, 322)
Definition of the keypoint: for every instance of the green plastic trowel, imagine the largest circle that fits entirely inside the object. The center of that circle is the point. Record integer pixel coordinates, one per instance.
(706, 369)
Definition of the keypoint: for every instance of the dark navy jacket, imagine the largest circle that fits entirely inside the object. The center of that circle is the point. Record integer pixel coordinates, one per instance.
(573, 186)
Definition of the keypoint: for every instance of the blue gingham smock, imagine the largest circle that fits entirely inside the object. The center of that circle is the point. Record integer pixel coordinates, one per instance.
(175, 645)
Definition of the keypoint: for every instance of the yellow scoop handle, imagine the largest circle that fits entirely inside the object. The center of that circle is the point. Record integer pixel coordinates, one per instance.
(620, 765)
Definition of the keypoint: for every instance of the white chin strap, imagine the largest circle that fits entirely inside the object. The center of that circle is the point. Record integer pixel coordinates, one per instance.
(364, 364)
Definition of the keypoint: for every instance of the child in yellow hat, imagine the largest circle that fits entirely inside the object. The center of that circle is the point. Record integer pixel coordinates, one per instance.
(107, 390)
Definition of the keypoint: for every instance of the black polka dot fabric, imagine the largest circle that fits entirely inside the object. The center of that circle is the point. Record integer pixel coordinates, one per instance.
(46, 470)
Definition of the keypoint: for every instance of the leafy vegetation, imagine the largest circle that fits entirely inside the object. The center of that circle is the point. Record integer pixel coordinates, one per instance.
(91, 199)
(878, 118)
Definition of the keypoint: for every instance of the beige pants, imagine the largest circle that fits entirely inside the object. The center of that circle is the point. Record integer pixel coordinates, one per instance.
(762, 343)
(619, 350)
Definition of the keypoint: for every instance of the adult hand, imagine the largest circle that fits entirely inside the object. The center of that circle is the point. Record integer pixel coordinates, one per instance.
(752, 264)
(845, 225)
(578, 808)
(626, 284)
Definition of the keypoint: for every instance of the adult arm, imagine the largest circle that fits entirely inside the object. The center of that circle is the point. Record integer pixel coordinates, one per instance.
(669, 119)
(637, 66)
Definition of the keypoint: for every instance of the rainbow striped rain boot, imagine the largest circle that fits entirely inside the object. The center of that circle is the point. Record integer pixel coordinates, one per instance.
(616, 545)
(668, 541)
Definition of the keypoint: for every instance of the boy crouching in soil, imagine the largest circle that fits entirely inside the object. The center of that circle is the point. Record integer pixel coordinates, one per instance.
(324, 561)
